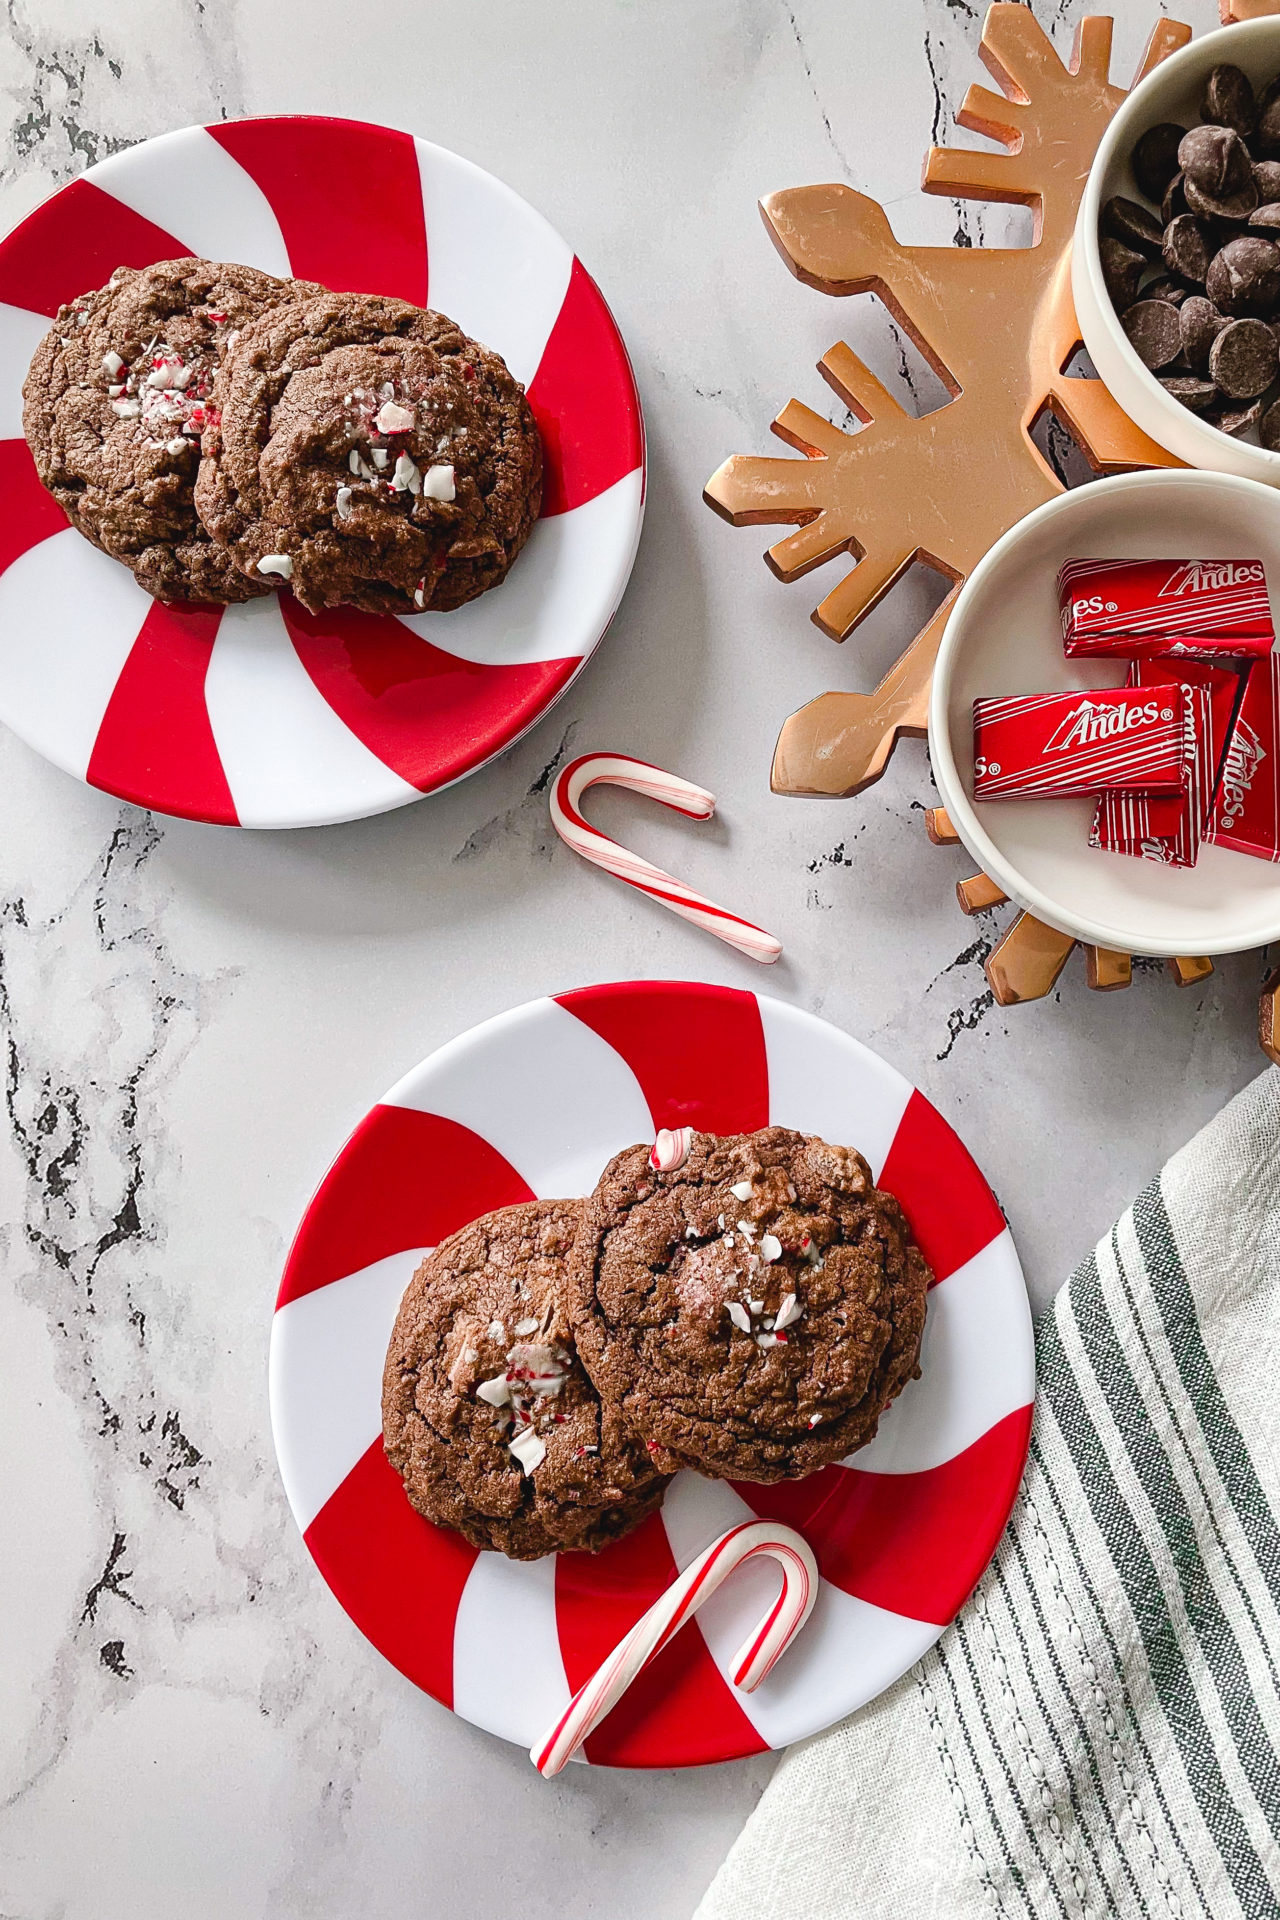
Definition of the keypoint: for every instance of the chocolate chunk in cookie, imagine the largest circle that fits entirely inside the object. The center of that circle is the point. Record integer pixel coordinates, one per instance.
(487, 1416)
(753, 1311)
(370, 454)
(115, 402)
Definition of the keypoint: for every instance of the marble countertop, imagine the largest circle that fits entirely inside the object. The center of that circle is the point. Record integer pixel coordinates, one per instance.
(192, 1018)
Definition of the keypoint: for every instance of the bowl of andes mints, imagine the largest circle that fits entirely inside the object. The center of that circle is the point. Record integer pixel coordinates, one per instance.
(1175, 265)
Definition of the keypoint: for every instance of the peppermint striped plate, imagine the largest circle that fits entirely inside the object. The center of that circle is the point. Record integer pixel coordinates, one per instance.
(264, 715)
(534, 1103)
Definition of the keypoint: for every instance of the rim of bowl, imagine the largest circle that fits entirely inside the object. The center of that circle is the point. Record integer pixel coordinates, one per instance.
(1204, 52)
(955, 796)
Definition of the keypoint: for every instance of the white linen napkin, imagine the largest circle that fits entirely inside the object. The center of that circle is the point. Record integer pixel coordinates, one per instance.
(1099, 1731)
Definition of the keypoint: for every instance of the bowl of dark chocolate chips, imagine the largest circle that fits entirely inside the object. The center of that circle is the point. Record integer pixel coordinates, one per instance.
(1175, 265)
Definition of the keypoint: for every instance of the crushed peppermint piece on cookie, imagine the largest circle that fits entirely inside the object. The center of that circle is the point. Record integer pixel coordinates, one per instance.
(526, 1326)
(470, 1356)
(278, 563)
(741, 1190)
(342, 503)
(496, 1330)
(528, 1449)
(177, 446)
(495, 1392)
(789, 1312)
(756, 1306)
(815, 1419)
(126, 409)
(111, 364)
(770, 1339)
(381, 458)
(406, 476)
(738, 1314)
(771, 1247)
(438, 484)
(393, 418)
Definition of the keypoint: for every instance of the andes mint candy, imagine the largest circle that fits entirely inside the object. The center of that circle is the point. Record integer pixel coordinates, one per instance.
(1243, 358)
(1155, 335)
(1200, 323)
(1234, 208)
(1175, 199)
(1269, 428)
(1155, 159)
(1126, 220)
(1228, 100)
(1215, 159)
(1187, 247)
(1266, 178)
(1122, 269)
(1192, 392)
(1244, 278)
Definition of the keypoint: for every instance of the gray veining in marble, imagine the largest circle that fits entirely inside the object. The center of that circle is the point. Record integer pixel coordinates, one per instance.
(191, 1020)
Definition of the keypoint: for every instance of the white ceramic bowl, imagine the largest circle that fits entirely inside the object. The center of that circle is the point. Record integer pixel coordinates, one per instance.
(1171, 92)
(1003, 638)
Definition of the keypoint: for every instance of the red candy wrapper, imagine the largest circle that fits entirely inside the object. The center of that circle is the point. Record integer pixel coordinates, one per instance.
(1154, 827)
(1149, 609)
(1049, 745)
(1246, 808)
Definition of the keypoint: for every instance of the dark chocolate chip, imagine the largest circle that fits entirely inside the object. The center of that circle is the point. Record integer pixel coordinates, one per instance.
(1266, 140)
(1154, 333)
(1244, 278)
(1235, 420)
(1228, 100)
(1243, 358)
(1269, 428)
(1122, 269)
(1155, 158)
(1234, 208)
(1193, 393)
(1166, 289)
(1266, 218)
(1200, 324)
(1187, 247)
(1175, 199)
(1266, 178)
(1216, 159)
(1126, 220)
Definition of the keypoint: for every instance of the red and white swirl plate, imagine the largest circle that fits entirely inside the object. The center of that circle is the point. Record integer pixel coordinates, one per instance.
(534, 1103)
(265, 715)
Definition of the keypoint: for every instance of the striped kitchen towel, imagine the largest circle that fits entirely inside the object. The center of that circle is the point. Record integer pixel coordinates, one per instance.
(1099, 1731)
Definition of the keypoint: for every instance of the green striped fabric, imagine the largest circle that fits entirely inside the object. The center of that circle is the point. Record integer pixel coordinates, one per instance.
(1099, 1731)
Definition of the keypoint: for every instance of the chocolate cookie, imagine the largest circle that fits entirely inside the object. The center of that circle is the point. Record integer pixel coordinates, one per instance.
(487, 1416)
(753, 1311)
(371, 455)
(114, 405)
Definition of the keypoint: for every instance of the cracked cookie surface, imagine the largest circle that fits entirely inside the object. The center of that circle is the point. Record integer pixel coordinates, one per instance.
(371, 455)
(114, 405)
(755, 1310)
(488, 1416)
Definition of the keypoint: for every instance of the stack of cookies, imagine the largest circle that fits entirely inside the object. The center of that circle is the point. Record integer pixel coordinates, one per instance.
(223, 432)
(748, 1309)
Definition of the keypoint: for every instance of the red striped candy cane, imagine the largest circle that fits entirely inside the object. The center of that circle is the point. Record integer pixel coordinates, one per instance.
(620, 770)
(700, 1579)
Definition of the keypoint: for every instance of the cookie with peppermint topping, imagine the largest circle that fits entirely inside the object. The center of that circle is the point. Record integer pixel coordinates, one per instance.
(370, 454)
(487, 1415)
(114, 405)
(750, 1308)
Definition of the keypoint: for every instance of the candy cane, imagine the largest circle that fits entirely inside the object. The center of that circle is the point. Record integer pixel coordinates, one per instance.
(700, 1579)
(619, 770)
